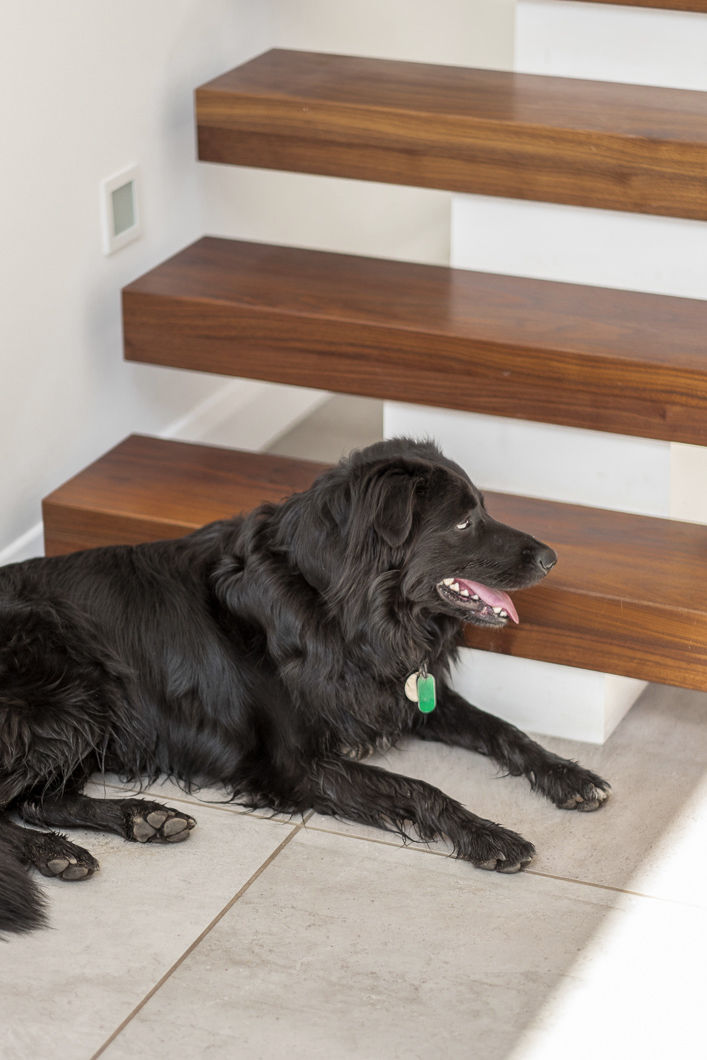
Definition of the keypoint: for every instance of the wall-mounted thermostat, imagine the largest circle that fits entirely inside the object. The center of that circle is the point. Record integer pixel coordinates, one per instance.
(120, 209)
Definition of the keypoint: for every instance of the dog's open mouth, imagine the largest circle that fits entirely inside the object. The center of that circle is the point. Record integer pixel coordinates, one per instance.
(480, 603)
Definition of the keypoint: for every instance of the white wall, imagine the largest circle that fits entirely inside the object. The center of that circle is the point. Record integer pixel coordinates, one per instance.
(360, 217)
(639, 46)
(87, 88)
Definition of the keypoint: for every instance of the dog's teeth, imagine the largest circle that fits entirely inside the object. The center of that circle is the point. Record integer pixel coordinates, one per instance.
(455, 586)
(465, 592)
(503, 614)
(447, 581)
(497, 610)
(475, 597)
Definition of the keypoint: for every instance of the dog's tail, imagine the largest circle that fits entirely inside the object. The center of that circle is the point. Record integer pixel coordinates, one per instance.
(21, 901)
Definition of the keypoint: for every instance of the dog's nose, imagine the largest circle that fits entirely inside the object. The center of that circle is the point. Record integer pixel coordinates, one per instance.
(545, 558)
(541, 556)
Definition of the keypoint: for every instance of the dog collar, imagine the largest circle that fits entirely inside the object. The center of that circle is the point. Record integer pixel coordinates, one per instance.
(420, 689)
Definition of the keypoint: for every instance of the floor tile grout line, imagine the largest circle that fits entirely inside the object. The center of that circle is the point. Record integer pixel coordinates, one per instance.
(416, 847)
(612, 887)
(197, 941)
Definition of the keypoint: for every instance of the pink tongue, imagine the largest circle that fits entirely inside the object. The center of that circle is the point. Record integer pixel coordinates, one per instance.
(492, 597)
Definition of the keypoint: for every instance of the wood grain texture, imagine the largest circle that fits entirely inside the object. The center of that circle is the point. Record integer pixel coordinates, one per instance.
(626, 597)
(556, 353)
(672, 5)
(565, 140)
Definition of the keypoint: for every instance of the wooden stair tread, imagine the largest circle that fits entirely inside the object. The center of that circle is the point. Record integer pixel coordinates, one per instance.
(553, 352)
(672, 5)
(166, 489)
(566, 140)
(627, 596)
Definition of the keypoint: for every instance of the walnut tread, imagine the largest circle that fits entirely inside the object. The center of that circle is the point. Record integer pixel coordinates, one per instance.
(627, 595)
(672, 5)
(491, 132)
(556, 353)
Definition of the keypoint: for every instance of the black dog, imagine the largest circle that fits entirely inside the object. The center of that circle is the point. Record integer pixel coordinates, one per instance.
(266, 653)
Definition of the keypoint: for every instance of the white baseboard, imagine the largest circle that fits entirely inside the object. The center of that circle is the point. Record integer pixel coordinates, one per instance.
(27, 545)
(245, 414)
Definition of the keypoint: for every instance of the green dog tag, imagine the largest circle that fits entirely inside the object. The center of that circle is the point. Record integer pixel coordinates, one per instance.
(426, 695)
(420, 688)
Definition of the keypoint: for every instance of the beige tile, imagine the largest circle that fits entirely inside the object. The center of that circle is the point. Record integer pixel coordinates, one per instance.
(344, 948)
(341, 424)
(647, 836)
(667, 721)
(636, 990)
(65, 989)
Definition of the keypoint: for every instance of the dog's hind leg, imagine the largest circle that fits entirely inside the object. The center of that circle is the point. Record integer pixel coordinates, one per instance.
(61, 702)
(567, 784)
(63, 698)
(364, 793)
(52, 854)
(138, 819)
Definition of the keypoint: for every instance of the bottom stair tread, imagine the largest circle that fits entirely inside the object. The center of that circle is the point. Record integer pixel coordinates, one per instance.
(626, 596)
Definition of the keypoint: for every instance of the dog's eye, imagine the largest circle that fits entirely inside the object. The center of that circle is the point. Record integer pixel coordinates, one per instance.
(465, 524)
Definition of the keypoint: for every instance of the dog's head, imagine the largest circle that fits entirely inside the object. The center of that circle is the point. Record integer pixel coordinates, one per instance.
(402, 506)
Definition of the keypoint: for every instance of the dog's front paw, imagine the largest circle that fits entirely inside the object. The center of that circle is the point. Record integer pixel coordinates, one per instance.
(500, 850)
(150, 822)
(571, 787)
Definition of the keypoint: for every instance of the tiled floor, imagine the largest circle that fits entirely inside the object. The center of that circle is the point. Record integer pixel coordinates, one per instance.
(342, 423)
(266, 937)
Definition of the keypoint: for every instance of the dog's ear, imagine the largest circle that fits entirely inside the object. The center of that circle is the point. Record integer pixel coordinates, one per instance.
(393, 506)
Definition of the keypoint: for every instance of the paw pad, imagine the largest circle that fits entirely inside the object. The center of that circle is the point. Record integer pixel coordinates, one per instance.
(591, 799)
(508, 852)
(151, 823)
(66, 861)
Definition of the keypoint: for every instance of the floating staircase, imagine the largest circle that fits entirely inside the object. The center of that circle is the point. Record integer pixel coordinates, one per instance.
(627, 596)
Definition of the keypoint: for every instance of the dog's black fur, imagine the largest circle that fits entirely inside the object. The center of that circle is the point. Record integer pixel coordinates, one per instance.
(266, 653)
